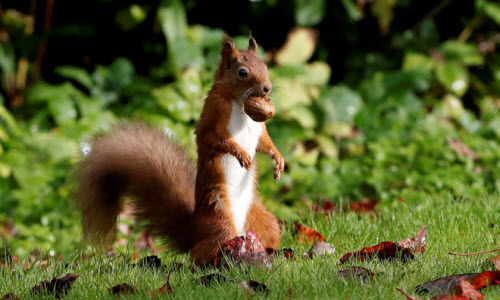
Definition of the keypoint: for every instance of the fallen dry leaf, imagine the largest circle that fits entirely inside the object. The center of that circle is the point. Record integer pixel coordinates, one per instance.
(464, 290)
(366, 206)
(356, 272)
(57, 286)
(151, 261)
(496, 261)
(467, 289)
(325, 207)
(253, 287)
(247, 249)
(405, 249)
(320, 248)
(10, 296)
(443, 285)
(287, 253)
(382, 251)
(417, 245)
(123, 289)
(161, 290)
(208, 279)
(308, 235)
(485, 279)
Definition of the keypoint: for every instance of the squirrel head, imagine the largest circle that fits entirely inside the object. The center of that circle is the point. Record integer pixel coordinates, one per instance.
(242, 72)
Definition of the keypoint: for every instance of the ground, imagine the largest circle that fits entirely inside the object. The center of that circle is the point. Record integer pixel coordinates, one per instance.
(461, 225)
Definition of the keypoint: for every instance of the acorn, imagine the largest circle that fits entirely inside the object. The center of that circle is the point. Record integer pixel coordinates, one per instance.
(259, 109)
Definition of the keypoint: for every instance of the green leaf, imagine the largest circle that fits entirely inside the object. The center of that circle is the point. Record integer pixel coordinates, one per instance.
(57, 147)
(288, 93)
(121, 73)
(8, 122)
(177, 106)
(317, 73)
(417, 61)
(383, 10)
(7, 58)
(62, 109)
(490, 8)
(303, 115)
(327, 146)
(341, 103)
(299, 47)
(352, 10)
(131, 16)
(190, 85)
(172, 18)
(78, 74)
(309, 12)
(454, 77)
(461, 52)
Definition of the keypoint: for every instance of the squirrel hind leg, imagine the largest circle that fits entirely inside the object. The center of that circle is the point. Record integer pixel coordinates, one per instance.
(265, 224)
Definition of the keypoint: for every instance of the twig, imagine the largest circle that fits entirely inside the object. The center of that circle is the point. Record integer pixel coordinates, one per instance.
(434, 12)
(47, 22)
(471, 25)
(476, 253)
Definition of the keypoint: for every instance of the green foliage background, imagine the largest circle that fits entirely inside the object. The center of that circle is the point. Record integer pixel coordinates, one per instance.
(366, 108)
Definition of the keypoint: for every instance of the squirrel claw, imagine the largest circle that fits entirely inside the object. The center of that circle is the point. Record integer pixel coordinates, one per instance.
(279, 165)
(245, 161)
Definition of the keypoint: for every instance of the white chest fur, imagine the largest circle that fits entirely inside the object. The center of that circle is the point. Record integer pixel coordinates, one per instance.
(239, 181)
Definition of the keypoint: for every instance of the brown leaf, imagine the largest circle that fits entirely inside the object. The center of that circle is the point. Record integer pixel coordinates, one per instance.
(10, 296)
(485, 279)
(496, 261)
(325, 207)
(464, 291)
(308, 235)
(123, 289)
(462, 149)
(320, 248)
(365, 206)
(356, 272)
(247, 249)
(443, 285)
(208, 279)
(416, 245)
(166, 286)
(253, 287)
(287, 253)
(151, 261)
(57, 286)
(405, 249)
(382, 251)
(467, 289)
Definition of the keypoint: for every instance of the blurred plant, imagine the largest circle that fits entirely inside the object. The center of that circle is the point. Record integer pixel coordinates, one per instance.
(420, 116)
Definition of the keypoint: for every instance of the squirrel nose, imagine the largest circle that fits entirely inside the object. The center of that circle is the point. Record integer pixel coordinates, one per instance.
(266, 88)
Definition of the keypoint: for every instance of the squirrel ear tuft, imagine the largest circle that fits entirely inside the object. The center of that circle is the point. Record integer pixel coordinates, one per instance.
(228, 52)
(252, 44)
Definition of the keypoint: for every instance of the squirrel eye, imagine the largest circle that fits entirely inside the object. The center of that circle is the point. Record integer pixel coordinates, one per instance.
(243, 73)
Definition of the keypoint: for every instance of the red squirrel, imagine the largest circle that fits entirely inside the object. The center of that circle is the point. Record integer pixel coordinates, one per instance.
(195, 211)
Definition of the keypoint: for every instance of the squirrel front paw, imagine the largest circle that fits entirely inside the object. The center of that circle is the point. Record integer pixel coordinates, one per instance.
(279, 164)
(244, 159)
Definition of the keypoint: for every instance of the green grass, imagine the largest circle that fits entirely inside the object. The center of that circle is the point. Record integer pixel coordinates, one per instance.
(462, 225)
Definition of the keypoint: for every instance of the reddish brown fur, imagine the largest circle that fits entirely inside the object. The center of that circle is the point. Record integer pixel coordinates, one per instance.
(161, 179)
(141, 162)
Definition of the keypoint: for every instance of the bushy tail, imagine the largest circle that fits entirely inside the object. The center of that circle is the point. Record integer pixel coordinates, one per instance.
(142, 163)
